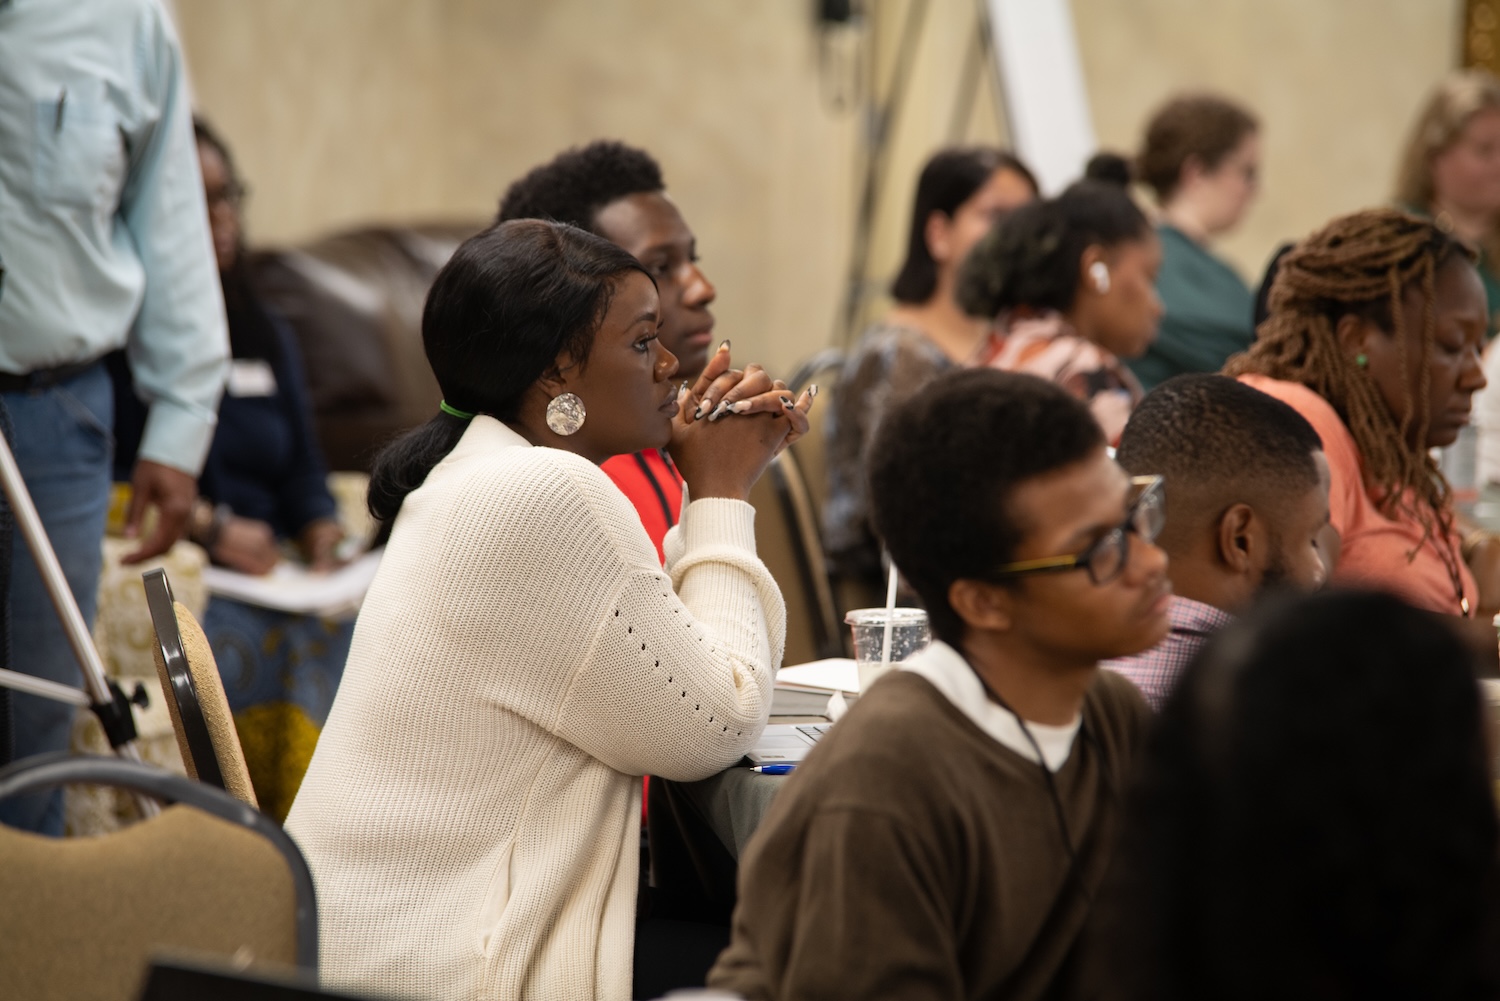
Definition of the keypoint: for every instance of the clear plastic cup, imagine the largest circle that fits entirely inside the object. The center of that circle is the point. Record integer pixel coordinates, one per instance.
(909, 633)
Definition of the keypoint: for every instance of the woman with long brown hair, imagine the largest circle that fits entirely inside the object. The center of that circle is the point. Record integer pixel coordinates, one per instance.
(1374, 335)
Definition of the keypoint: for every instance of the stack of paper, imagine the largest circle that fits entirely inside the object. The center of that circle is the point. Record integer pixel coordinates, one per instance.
(292, 587)
(826, 676)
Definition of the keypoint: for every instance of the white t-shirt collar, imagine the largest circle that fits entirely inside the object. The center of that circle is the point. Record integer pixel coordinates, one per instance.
(950, 674)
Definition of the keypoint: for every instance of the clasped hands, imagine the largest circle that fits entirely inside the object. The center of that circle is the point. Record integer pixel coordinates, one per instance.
(730, 423)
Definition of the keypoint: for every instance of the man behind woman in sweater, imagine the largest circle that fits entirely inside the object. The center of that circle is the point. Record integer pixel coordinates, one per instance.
(472, 813)
(948, 837)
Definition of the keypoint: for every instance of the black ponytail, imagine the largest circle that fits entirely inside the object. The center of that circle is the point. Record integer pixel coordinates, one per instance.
(403, 465)
(1111, 168)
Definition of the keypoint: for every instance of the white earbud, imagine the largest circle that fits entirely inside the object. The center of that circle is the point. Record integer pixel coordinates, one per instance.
(1099, 275)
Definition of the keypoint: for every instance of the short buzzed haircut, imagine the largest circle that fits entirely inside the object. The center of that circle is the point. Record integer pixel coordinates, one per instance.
(575, 185)
(1217, 442)
(944, 465)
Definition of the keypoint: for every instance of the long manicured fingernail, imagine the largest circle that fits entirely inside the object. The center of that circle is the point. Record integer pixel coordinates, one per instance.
(681, 393)
(720, 411)
(786, 401)
(724, 344)
(740, 407)
(812, 390)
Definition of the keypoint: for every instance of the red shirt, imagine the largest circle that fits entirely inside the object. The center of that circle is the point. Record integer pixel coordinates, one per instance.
(651, 482)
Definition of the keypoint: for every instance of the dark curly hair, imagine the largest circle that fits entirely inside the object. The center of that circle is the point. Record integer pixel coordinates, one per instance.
(1314, 815)
(1217, 442)
(575, 185)
(1032, 257)
(948, 180)
(944, 465)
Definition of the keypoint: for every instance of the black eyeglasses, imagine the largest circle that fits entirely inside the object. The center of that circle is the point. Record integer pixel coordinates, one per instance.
(1105, 559)
(233, 194)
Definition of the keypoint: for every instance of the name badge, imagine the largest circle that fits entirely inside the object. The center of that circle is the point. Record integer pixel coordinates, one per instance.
(251, 377)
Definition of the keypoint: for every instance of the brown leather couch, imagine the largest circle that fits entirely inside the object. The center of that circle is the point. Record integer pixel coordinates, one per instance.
(355, 301)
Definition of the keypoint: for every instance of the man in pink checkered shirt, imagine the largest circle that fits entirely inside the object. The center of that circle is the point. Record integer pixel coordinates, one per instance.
(1246, 486)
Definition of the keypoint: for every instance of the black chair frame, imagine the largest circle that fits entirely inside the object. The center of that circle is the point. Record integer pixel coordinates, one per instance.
(807, 547)
(161, 604)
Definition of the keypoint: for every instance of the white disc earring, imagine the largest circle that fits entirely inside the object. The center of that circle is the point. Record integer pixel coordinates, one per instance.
(565, 414)
(1099, 273)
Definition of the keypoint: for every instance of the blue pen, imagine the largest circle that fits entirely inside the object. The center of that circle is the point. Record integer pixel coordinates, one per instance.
(773, 769)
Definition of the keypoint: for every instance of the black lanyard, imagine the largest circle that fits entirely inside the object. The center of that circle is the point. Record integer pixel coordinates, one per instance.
(1062, 820)
(661, 495)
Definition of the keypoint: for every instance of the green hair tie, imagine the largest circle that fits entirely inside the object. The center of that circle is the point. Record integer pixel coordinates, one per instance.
(462, 415)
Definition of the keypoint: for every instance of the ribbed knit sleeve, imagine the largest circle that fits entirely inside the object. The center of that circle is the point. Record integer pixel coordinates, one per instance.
(552, 579)
(678, 680)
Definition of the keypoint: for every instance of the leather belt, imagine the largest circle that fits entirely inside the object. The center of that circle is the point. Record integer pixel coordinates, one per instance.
(42, 378)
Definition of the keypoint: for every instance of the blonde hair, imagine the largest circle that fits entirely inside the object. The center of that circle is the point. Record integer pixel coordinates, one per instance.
(1453, 104)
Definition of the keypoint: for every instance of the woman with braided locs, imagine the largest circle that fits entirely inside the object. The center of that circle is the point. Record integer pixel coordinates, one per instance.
(1374, 333)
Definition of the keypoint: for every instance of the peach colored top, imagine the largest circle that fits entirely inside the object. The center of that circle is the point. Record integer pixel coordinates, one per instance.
(1047, 346)
(1377, 552)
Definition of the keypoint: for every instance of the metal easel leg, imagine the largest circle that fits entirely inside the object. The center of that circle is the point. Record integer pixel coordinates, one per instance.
(103, 696)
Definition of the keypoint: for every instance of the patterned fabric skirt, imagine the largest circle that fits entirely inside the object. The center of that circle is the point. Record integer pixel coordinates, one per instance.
(280, 674)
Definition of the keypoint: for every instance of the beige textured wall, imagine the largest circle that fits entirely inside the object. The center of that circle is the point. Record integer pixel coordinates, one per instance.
(344, 112)
(1336, 84)
(351, 111)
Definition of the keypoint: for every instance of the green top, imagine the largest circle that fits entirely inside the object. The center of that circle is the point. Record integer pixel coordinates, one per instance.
(1209, 312)
(1491, 292)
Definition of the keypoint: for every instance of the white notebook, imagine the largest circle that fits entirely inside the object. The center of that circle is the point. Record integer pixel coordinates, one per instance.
(837, 674)
(291, 587)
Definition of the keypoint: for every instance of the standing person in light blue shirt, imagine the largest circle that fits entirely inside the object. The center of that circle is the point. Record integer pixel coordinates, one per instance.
(104, 234)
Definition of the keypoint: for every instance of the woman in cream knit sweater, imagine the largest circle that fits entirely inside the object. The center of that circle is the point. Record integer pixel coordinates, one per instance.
(471, 815)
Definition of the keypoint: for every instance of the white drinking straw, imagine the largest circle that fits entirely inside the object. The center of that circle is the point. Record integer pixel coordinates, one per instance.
(890, 613)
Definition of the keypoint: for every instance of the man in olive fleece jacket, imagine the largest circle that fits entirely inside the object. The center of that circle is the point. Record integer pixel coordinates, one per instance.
(946, 839)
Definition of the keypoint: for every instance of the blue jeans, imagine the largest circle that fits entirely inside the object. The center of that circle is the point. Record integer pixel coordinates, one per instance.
(64, 448)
